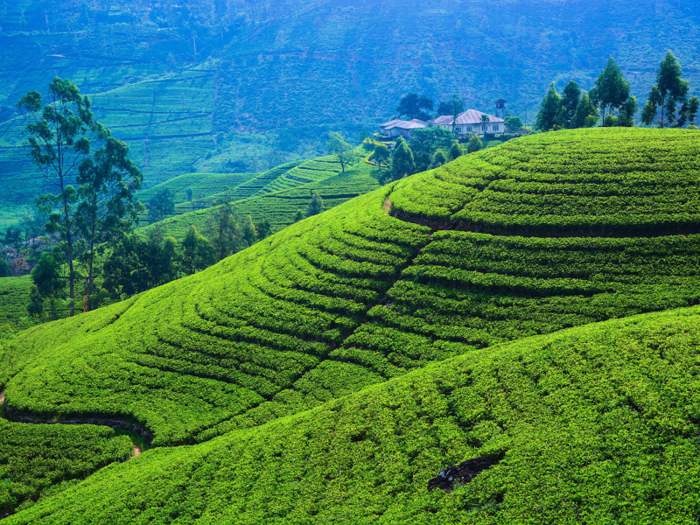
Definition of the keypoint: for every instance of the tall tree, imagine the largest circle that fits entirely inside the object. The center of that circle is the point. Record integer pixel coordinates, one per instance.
(402, 161)
(198, 253)
(485, 122)
(587, 114)
(568, 104)
(547, 116)
(341, 149)
(228, 237)
(425, 142)
(415, 106)
(48, 286)
(455, 107)
(107, 209)
(611, 89)
(669, 92)
(59, 136)
(457, 150)
(627, 112)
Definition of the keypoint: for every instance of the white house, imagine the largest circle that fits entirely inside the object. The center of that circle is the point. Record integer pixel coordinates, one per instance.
(401, 128)
(471, 122)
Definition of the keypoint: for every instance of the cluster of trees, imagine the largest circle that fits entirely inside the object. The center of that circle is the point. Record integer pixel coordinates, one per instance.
(611, 103)
(428, 148)
(134, 264)
(88, 248)
(93, 183)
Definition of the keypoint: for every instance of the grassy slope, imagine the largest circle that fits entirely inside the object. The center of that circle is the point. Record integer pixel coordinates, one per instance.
(591, 425)
(356, 296)
(278, 194)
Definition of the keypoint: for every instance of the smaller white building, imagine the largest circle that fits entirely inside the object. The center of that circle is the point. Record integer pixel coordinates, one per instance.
(401, 128)
(470, 122)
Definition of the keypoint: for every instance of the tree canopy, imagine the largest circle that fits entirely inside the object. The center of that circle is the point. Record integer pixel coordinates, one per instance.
(415, 106)
(670, 92)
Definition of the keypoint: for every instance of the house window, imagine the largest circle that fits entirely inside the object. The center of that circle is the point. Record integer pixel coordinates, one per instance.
(495, 127)
(469, 129)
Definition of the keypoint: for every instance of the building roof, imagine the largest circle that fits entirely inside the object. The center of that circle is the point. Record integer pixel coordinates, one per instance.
(410, 124)
(471, 116)
(390, 124)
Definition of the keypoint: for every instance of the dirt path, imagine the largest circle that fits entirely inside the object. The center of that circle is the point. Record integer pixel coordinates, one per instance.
(137, 451)
(2, 397)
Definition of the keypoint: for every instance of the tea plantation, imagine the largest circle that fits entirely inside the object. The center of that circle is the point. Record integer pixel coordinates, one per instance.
(392, 299)
(14, 297)
(596, 424)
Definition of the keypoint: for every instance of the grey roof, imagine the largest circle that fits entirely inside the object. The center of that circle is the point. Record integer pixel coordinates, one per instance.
(410, 124)
(471, 116)
(390, 124)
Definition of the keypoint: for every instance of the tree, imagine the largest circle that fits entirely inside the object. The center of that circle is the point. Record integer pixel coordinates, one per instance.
(425, 142)
(48, 285)
(58, 141)
(228, 234)
(341, 149)
(380, 155)
(439, 159)
(485, 122)
(587, 114)
(250, 233)
(668, 93)
(5, 270)
(264, 229)
(474, 144)
(197, 251)
(298, 216)
(457, 150)
(161, 206)
(107, 209)
(547, 116)
(513, 124)
(414, 106)
(315, 206)
(627, 112)
(454, 107)
(568, 104)
(611, 89)
(188, 194)
(402, 161)
(135, 265)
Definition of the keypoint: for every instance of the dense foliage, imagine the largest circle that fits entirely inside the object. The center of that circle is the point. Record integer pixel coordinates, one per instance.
(593, 425)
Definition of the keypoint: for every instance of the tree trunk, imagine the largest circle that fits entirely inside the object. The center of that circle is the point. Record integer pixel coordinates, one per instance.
(71, 272)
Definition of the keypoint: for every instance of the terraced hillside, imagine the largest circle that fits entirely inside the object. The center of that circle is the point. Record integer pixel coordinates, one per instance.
(595, 424)
(392, 282)
(269, 200)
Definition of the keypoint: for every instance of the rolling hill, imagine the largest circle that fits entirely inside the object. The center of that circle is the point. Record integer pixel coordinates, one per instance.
(590, 425)
(391, 299)
(210, 86)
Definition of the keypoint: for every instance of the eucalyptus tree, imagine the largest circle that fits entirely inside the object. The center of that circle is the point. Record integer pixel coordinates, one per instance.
(670, 92)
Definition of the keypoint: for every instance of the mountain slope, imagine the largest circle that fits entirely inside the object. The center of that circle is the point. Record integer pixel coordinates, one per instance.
(357, 295)
(590, 425)
(211, 86)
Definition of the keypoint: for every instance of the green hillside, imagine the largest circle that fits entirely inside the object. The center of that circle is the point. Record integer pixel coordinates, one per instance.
(181, 81)
(14, 297)
(202, 186)
(277, 195)
(591, 425)
(391, 298)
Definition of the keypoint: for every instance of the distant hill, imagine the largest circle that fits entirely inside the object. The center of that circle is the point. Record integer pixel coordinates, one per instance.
(209, 86)
(278, 194)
